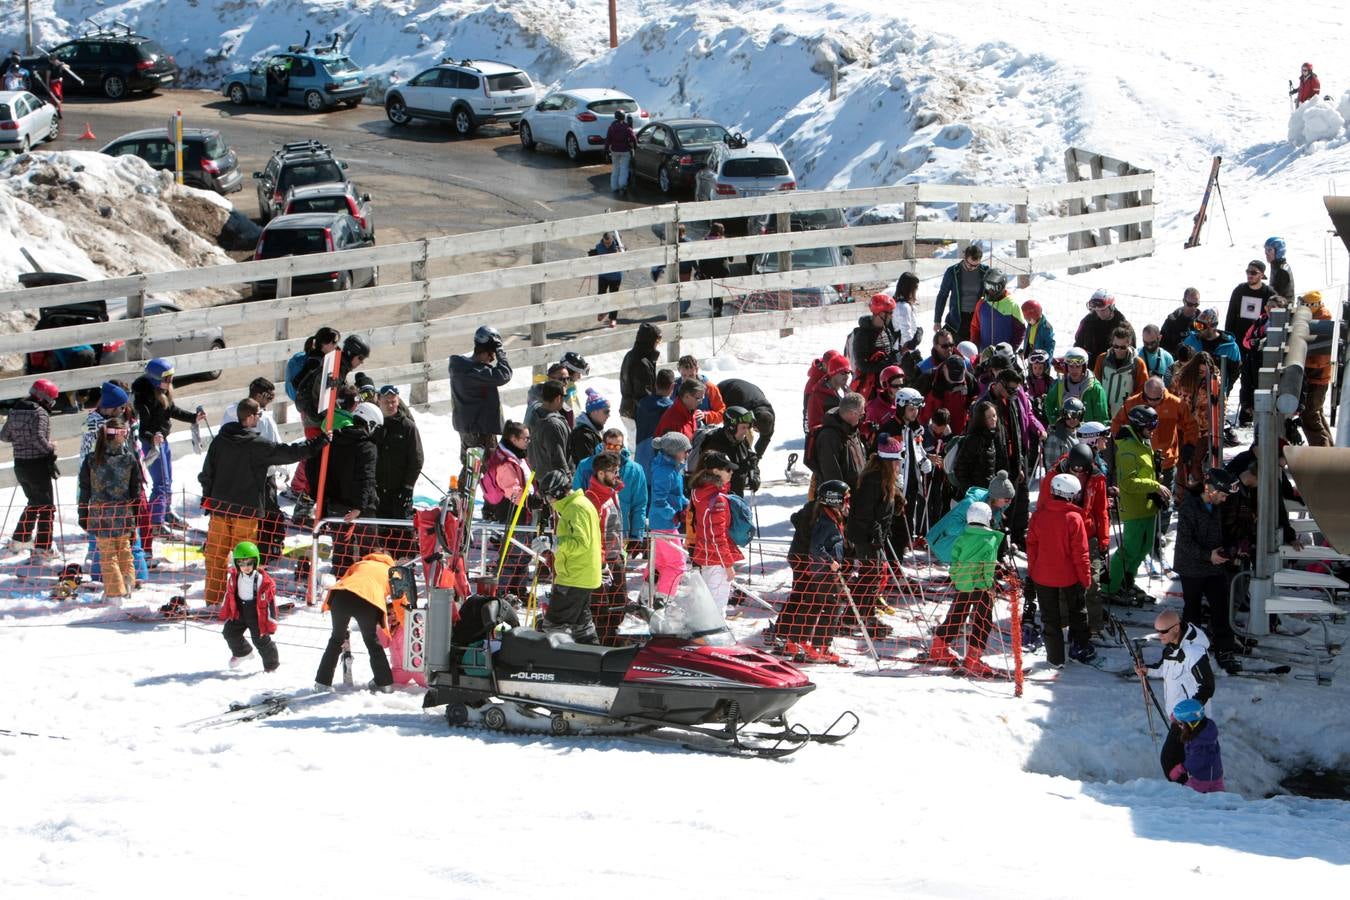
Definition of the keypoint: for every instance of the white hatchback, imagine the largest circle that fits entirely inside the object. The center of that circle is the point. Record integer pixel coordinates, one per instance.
(576, 120)
(26, 120)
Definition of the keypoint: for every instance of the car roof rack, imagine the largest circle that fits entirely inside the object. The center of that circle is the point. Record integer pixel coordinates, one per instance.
(470, 64)
(112, 29)
(735, 141)
(301, 146)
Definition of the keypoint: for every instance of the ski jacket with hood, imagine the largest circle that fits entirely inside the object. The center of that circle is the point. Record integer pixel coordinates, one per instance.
(576, 557)
(234, 474)
(264, 598)
(504, 478)
(605, 499)
(27, 429)
(1057, 544)
(1136, 478)
(1199, 533)
(1202, 764)
(943, 535)
(351, 474)
(367, 578)
(632, 494)
(637, 374)
(549, 433)
(668, 499)
(1094, 501)
(584, 440)
(155, 409)
(1120, 379)
(1175, 328)
(997, 321)
(1040, 336)
(712, 527)
(1092, 395)
(1177, 426)
(1185, 670)
(1094, 332)
(974, 558)
(475, 399)
(398, 462)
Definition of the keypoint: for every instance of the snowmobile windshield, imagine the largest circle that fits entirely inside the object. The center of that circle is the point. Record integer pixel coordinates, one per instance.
(690, 613)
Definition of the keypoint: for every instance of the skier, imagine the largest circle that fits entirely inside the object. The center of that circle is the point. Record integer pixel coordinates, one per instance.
(714, 552)
(312, 394)
(1040, 333)
(835, 451)
(1201, 766)
(1078, 381)
(952, 388)
(633, 496)
(975, 555)
(1157, 360)
(1246, 304)
(575, 558)
(869, 524)
(997, 318)
(1141, 496)
(1181, 321)
(586, 436)
(983, 450)
(607, 601)
(1059, 565)
(881, 408)
(1040, 380)
(28, 430)
(250, 606)
(738, 392)
(1081, 462)
(1185, 672)
(362, 593)
(813, 623)
(152, 395)
(998, 496)
(576, 369)
(476, 405)
(872, 345)
(915, 469)
(963, 284)
(351, 490)
(1200, 559)
(1220, 346)
(1281, 276)
(505, 475)
(637, 376)
(549, 432)
(1308, 85)
(317, 347)
(398, 461)
(110, 488)
(1317, 377)
(732, 440)
(1120, 370)
(1103, 318)
(1062, 436)
(667, 511)
(1174, 440)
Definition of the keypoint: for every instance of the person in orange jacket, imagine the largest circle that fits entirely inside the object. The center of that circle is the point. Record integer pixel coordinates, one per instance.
(361, 594)
(1317, 381)
(712, 406)
(1174, 440)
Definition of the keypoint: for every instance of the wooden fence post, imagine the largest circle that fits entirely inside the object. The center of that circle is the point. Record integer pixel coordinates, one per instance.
(136, 310)
(282, 333)
(783, 223)
(1023, 247)
(538, 331)
(671, 229)
(911, 247)
(417, 312)
(1100, 202)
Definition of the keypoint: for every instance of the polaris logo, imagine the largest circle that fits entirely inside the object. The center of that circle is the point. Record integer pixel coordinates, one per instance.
(532, 676)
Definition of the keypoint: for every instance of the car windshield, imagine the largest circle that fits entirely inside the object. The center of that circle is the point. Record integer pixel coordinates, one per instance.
(341, 66)
(612, 105)
(213, 147)
(294, 241)
(810, 258)
(701, 134)
(691, 614)
(754, 167)
(331, 203)
(310, 173)
(508, 81)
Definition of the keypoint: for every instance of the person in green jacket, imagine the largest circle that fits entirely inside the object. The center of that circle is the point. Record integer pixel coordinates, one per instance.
(1078, 381)
(1141, 496)
(942, 536)
(974, 561)
(576, 558)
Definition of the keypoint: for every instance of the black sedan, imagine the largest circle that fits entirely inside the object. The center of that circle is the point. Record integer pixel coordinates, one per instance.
(671, 152)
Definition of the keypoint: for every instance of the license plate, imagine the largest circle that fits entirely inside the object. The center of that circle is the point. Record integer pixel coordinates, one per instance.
(166, 78)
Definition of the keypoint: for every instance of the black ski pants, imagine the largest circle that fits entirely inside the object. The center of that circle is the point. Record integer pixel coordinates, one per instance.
(569, 611)
(1205, 604)
(248, 622)
(1061, 606)
(35, 479)
(345, 606)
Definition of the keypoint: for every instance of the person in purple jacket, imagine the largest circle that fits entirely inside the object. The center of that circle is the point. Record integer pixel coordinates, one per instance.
(1201, 769)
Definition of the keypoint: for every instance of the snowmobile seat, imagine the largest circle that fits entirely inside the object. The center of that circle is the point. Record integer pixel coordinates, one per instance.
(526, 648)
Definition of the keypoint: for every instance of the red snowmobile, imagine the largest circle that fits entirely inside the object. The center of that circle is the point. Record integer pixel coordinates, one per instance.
(686, 678)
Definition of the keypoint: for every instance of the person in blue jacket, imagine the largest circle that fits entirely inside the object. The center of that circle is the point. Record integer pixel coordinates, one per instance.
(1040, 333)
(665, 513)
(1218, 344)
(1156, 359)
(999, 495)
(650, 409)
(633, 497)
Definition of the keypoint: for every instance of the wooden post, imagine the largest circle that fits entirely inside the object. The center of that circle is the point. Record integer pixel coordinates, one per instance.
(1023, 247)
(963, 212)
(1077, 239)
(783, 224)
(417, 312)
(538, 330)
(282, 333)
(672, 275)
(613, 24)
(136, 310)
(834, 81)
(1100, 202)
(911, 247)
(1146, 226)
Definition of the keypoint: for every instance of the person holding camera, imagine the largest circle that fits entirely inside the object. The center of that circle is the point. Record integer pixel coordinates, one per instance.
(475, 382)
(1201, 559)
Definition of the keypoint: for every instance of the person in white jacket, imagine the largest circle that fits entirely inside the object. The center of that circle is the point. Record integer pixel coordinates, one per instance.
(906, 300)
(914, 472)
(1185, 672)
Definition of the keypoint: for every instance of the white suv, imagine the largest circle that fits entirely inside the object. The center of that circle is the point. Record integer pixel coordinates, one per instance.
(737, 168)
(466, 93)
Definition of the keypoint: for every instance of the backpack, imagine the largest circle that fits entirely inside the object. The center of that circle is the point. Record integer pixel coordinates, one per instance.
(294, 367)
(742, 529)
(696, 446)
(949, 460)
(809, 451)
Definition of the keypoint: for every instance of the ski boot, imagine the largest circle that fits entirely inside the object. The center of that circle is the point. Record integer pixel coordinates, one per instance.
(175, 608)
(1083, 653)
(939, 654)
(1032, 638)
(974, 666)
(236, 661)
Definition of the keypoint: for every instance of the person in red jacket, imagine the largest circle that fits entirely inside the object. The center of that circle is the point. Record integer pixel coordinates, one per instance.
(1057, 561)
(684, 415)
(954, 389)
(1308, 85)
(714, 552)
(1092, 501)
(815, 374)
(250, 605)
(827, 392)
(881, 408)
(607, 600)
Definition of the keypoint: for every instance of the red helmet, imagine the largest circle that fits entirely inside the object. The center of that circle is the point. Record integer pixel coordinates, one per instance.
(1031, 309)
(45, 388)
(882, 304)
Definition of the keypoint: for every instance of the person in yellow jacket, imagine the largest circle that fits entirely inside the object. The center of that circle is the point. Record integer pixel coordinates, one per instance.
(361, 594)
(576, 558)
(1316, 382)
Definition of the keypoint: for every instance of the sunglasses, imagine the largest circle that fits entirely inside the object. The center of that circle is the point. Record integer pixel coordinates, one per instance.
(609, 446)
(115, 431)
(945, 346)
(1152, 400)
(895, 384)
(1120, 346)
(1195, 305)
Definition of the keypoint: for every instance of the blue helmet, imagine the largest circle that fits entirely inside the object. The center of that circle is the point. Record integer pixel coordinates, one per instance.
(1189, 710)
(1276, 244)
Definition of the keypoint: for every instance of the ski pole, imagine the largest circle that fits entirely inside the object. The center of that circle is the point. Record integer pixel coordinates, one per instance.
(867, 637)
(754, 509)
(438, 488)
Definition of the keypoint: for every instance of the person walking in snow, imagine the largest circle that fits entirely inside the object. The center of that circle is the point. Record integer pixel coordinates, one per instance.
(1201, 765)
(1185, 672)
(620, 141)
(476, 380)
(250, 605)
(362, 593)
(975, 556)
(1201, 561)
(27, 429)
(152, 394)
(1308, 85)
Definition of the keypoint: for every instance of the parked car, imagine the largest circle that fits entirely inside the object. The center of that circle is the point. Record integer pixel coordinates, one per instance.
(672, 152)
(304, 233)
(295, 165)
(466, 93)
(202, 339)
(576, 120)
(26, 120)
(115, 61)
(331, 197)
(317, 78)
(208, 162)
(801, 220)
(739, 168)
(807, 258)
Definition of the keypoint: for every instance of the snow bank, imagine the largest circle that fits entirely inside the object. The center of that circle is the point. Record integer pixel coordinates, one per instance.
(1316, 120)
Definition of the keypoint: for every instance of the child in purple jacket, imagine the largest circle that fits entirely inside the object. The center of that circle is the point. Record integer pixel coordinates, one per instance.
(1201, 769)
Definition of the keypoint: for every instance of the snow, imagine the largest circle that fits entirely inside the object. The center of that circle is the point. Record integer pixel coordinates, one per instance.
(1316, 120)
(949, 789)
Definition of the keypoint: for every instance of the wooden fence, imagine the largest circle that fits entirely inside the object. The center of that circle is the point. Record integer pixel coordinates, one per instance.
(557, 264)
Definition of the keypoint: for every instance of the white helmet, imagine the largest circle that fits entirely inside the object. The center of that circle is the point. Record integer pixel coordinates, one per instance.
(1065, 486)
(968, 351)
(1090, 430)
(370, 414)
(980, 514)
(1078, 355)
(908, 397)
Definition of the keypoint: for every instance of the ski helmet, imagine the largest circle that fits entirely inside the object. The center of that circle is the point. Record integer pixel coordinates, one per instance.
(355, 345)
(1077, 355)
(1089, 430)
(554, 485)
(1039, 356)
(1220, 479)
(1189, 710)
(995, 283)
(882, 304)
(1065, 486)
(246, 550)
(370, 414)
(1073, 407)
(833, 493)
(1081, 458)
(908, 397)
(575, 363)
(1031, 309)
(1207, 317)
(737, 415)
(1277, 244)
(45, 387)
(969, 352)
(488, 337)
(1143, 417)
(979, 513)
(1101, 298)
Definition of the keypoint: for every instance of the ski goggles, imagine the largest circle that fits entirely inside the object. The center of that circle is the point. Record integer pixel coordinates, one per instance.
(247, 562)
(115, 431)
(388, 390)
(745, 418)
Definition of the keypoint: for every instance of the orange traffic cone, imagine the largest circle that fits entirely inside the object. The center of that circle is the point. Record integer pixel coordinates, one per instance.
(88, 133)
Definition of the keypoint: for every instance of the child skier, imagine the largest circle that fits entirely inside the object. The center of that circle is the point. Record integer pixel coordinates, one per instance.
(1201, 767)
(974, 559)
(1040, 333)
(815, 617)
(249, 605)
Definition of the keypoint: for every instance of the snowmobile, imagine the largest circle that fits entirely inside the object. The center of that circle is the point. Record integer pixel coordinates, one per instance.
(685, 678)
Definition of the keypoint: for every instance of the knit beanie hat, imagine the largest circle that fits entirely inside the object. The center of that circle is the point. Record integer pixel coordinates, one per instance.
(594, 401)
(672, 442)
(111, 396)
(1001, 486)
(888, 447)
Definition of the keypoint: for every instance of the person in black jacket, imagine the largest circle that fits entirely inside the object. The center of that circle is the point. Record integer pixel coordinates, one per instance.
(152, 398)
(1104, 317)
(351, 490)
(870, 518)
(549, 432)
(400, 458)
(739, 392)
(311, 395)
(1181, 321)
(637, 375)
(589, 432)
(838, 453)
(1201, 559)
(983, 450)
(1281, 276)
(733, 439)
(235, 487)
(476, 404)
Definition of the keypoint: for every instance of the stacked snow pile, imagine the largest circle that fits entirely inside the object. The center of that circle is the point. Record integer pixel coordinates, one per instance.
(1317, 120)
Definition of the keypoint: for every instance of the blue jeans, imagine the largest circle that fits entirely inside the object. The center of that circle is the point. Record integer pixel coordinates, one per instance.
(161, 474)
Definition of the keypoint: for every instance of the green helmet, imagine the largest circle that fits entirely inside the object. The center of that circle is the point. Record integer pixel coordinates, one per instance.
(246, 550)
